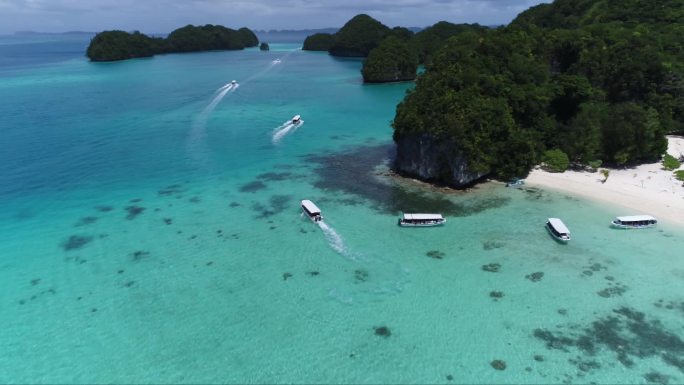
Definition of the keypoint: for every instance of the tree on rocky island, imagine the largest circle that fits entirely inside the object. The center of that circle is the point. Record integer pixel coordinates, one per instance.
(318, 42)
(391, 61)
(120, 45)
(594, 79)
(358, 37)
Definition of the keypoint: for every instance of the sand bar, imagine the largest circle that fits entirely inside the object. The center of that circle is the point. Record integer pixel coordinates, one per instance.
(646, 189)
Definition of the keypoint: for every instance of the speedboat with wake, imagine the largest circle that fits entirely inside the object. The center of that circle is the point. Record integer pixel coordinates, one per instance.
(311, 210)
(296, 119)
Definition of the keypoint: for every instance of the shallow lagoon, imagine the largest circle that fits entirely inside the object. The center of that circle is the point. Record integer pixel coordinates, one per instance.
(139, 234)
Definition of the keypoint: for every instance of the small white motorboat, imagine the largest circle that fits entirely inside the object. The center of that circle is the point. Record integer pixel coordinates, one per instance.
(296, 119)
(421, 220)
(634, 222)
(558, 230)
(311, 210)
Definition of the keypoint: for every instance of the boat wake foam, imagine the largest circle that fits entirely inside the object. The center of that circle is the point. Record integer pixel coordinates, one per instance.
(196, 140)
(284, 129)
(335, 240)
(376, 275)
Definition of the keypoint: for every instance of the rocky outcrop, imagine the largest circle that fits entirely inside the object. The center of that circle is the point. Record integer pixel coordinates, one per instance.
(432, 159)
(264, 47)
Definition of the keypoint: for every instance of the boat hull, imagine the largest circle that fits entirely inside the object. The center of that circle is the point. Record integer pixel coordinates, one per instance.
(434, 224)
(630, 227)
(557, 238)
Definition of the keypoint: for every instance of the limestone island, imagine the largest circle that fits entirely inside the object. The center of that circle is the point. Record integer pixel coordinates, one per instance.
(602, 88)
(392, 54)
(121, 45)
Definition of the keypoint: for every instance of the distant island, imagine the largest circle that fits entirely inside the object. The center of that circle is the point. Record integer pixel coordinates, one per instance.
(567, 84)
(392, 54)
(120, 45)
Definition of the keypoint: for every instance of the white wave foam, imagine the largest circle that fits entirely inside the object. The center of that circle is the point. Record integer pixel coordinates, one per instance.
(286, 128)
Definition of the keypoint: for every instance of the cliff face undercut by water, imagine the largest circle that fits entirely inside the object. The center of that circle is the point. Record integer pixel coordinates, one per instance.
(430, 158)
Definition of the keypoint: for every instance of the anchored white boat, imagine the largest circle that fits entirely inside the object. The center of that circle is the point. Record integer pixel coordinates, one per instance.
(296, 119)
(311, 210)
(558, 230)
(634, 222)
(421, 220)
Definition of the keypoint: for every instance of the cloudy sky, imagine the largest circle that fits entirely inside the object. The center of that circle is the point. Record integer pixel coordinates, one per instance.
(165, 15)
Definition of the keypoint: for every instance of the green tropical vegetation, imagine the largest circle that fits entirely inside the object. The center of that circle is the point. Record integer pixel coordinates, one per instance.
(120, 45)
(429, 40)
(393, 60)
(606, 174)
(358, 37)
(595, 79)
(679, 174)
(318, 42)
(555, 160)
(670, 163)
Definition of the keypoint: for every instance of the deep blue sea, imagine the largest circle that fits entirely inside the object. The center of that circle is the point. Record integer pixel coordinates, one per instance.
(151, 233)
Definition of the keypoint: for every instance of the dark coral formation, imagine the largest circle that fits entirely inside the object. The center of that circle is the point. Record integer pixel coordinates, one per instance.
(104, 209)
(613, 291)
(492, 267)
(535, 277)
(657, 378)
(76, 242)
(496, 294)
(626, 332)
(491, 245)
(134, 211)
(383, 331)
(253, 186)
(286, 276)
(360, 275)
(138, 255)
(353, 172)
(274, 176)
(277, 204)
(498, 364)
(435, 254)
(171, 190)
(86, 221)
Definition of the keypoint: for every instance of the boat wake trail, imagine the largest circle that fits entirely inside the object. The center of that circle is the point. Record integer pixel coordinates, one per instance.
(284, 129)
(196, 142)
(335, 240)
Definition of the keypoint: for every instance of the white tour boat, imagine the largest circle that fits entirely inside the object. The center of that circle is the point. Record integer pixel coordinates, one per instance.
(421, 220)
(296, 119)
(311, 210)
(634, 222)
(558, 230)
(233, 82)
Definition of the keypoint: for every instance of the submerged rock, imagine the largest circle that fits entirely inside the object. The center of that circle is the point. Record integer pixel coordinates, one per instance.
(498, 364)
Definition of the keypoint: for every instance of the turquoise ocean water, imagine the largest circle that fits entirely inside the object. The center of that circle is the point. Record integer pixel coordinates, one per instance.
(151, 233)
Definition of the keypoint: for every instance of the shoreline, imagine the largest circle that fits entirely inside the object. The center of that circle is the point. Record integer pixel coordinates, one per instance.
(645, 189)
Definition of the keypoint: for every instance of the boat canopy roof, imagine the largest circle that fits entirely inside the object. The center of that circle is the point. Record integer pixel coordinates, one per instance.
(559, 225)
(636, 218)
(423, 217)
(296, 117)
(310, 207)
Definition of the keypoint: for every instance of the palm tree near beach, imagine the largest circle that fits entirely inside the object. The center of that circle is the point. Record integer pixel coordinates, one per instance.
(605, 174)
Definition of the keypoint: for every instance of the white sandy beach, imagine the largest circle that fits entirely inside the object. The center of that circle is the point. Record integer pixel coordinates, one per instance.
(646, 189)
